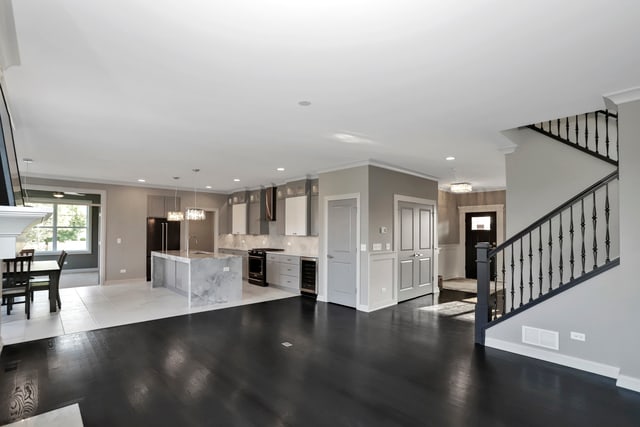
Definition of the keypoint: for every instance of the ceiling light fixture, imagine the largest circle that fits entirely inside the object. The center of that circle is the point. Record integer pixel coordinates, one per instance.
(351, 138)
(236, 179)
(175, 214)
(208, 187)
(280, 169)
(304, 103)
(195, 214)
(58, 194)
(449, 158)
(142, 180)
(461, 187)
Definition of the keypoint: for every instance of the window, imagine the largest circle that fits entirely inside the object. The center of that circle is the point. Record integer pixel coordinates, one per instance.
(481, 223)
(67, 229)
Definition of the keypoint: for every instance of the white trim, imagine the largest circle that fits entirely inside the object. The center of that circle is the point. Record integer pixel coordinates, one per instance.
(462, 211)
(630, 383)
(369, 310)
(396, 226)
(553, 357)
(126, 281)
(613, 100)
(80, 270)
(323, 291)
(102, 256)
(372, 162)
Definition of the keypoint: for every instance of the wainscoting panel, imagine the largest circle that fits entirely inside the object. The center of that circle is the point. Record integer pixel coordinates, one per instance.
(382, 279)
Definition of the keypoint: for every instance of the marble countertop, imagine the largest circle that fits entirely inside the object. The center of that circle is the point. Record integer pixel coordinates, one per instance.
(187, 256)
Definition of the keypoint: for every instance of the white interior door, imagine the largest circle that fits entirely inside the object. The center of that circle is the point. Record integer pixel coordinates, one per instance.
(342, 252)
(415, 251)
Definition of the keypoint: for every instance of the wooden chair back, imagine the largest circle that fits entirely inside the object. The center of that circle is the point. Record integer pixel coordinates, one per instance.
(17, 272)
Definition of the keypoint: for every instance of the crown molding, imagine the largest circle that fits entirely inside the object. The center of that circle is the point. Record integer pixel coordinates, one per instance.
(625, 96)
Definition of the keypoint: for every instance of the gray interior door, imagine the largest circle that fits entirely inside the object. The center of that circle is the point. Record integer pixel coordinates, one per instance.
(415, 251)
(342, 252)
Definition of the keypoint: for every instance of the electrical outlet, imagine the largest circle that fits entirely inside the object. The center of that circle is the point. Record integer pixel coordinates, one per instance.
(123, 270)
(578, 336)
(388, 246)
(363, 247)
(225, 268)
(377, 246)
(119, 240)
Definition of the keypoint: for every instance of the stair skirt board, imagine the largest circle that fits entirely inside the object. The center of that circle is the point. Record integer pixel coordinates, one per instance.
(630, 383)
(562, 359)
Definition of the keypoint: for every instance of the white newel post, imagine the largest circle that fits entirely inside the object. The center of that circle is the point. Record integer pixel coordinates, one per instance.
(14, 220)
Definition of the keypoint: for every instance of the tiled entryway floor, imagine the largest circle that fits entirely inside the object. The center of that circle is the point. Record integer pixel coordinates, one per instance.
(94, 307)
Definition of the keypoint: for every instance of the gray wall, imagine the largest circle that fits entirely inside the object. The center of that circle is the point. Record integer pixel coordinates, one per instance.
(125, 216)
(347, 181)
(383, 185)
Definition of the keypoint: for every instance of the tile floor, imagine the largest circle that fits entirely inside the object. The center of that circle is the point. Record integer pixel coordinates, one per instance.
(94, 307)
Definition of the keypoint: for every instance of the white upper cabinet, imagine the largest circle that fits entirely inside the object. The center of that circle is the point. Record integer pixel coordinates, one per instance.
(296, 216)
(239, 218)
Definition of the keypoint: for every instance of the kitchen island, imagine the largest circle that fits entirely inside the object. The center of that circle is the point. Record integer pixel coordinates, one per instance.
(202, 277)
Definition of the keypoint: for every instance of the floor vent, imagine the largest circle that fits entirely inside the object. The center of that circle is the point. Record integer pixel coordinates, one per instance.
(540, 337)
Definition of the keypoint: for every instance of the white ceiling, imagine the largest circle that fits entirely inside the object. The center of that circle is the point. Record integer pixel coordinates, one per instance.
(119, 90)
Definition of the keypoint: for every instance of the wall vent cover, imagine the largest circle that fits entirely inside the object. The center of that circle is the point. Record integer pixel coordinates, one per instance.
(540, 337)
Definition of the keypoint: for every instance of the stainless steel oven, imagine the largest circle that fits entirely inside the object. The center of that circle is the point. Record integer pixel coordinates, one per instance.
(258, 265)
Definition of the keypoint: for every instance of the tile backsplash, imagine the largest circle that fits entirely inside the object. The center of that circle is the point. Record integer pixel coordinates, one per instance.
(294, 244)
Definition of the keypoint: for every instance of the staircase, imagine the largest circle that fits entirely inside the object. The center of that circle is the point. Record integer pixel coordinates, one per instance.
(569, 245)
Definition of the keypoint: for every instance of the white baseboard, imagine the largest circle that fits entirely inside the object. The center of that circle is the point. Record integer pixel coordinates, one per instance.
(630, 383)
(379, 307)
(553, 357)
(122, 281)
(322, 298)
(80, 270)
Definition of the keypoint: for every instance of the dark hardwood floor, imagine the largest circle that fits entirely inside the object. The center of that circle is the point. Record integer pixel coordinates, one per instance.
(396, 367)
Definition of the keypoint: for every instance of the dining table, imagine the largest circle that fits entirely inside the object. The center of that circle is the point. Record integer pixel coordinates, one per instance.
(50, 269)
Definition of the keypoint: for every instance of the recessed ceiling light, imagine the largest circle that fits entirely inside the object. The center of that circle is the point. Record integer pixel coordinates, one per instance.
(27, 160)
(236, 179)
(280, 169)
(207, 187)
(142, 180)
(304, 103)
(450, 158)
(58, 194)
(349, 138)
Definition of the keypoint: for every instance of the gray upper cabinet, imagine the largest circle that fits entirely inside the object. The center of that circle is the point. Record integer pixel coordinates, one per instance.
(158, 206)
(314, 208)
(257, 216)
(224, 222)
(281, 195)
(297, 188)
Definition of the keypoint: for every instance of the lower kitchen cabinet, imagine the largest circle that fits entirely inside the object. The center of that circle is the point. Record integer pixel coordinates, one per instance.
(284, 271)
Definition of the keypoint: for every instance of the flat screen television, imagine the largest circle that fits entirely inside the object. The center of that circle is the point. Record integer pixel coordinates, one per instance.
(10, 183)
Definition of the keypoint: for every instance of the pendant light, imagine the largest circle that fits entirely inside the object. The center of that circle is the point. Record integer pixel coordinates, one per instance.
(195, 214)
(175, 214)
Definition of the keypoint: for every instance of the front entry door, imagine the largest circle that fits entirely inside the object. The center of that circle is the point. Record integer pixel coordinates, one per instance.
(415, 252)
(479, 227)
(342, 252)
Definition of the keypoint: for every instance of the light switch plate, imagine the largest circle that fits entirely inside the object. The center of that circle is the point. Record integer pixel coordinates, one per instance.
(388, 246)
(377, 246)
(363, 247)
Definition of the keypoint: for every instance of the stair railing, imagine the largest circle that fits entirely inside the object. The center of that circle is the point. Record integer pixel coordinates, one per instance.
(570, 244)
(595, 133)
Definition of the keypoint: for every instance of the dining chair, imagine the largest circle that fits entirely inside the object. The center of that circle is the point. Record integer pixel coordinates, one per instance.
(42, 283)
(17, 282)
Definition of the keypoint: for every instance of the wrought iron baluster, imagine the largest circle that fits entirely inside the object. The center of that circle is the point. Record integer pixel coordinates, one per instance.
(530, 270)
(571, 231)
(550, 257)
(586, 130)
(504, 291)
(540, 277)
(577, 132)
(550, 127)
(521, 275)
(513, 291)
(596, 135)
(495, 286)
(583, 253)
(558, 126)
(594, 217)
(566, 126)
(607, 238)
(560, 266)
(606, 138)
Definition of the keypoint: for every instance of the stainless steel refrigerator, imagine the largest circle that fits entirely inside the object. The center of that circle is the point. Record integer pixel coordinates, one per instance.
(162, 235)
